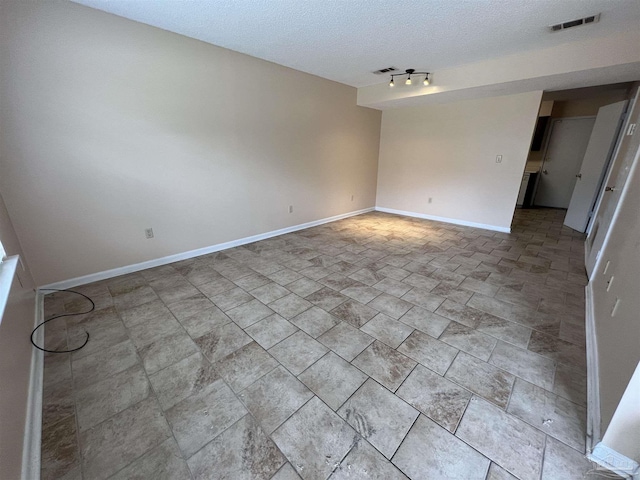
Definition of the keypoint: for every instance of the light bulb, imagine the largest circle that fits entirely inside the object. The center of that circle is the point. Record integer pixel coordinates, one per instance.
(408, 82)
(425, 82)
(391, 84)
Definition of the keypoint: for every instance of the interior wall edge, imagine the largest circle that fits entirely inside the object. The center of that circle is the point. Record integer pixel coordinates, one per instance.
(454, 221)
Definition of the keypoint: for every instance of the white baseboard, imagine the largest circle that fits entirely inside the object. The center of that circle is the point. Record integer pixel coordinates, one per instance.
(615, 461)
(115, 272)
(33, 422)
(455, 221)
(593, 378)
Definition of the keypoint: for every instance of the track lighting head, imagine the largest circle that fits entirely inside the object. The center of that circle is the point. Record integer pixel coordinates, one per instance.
(408, 72)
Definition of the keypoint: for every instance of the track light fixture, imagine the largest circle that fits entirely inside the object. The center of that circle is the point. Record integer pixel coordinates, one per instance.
(408, 72)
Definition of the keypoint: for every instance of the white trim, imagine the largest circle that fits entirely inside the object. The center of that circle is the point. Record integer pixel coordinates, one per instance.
(7, 271)
(455, 221)
(615, 461)
(33, 422)
(593, 378)
(136, 267)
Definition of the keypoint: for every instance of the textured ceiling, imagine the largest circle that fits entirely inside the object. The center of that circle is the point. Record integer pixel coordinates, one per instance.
(345, 40)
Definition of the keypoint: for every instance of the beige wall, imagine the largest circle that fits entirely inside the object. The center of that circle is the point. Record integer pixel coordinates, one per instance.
(448, 152)
(15, 357)
(586, 107)
(110, 127)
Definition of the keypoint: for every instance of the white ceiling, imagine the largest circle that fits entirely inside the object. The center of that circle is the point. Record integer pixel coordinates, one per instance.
(345, 40)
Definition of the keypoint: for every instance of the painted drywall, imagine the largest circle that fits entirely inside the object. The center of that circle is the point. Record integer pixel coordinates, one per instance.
(111, 127)
(15, 356)
(448, 153)
(585, 107)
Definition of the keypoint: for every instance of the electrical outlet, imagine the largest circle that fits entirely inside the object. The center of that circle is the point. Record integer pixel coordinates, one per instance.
(498, 158)
(430, 200)
(290, 208)
(148, 232)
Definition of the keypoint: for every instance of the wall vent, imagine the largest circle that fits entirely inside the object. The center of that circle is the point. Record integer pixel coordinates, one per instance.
(382, 71)
(575, 23)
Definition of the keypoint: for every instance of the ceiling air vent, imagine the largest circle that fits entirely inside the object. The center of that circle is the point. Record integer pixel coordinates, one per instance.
(575, 23)
(382, 71)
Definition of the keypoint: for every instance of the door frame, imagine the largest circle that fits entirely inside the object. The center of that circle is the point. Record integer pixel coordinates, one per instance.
(545, 149)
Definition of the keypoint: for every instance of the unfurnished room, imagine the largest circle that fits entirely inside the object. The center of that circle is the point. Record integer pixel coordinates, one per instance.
(304, 239)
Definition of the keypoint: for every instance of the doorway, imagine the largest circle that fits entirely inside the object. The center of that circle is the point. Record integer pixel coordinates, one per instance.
(568, 140)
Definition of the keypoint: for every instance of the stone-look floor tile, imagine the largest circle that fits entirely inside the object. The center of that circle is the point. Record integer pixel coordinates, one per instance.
(162, 463)
(304, 287)
(332, 379)
(249, 313)
(425, 321)
(179, 290)
(368, 277)
(116, 442)
(479, 286)
(573, 333)
(167, 351)
(439, 399)
(270, 292)
(57, 402)
(481, 378)
(346, 341)
(105, 330)
(110, 396)
(315, 321)
(365, 462)
(337, 281)
(315, 273)
(252, 281)
(387, 330)
(428, 351)
(392, 287)
(447, 277)
(274, 398)
(467, 316)
(558, 350)
(290, 306)
(315, 440)
(182, 379)
(496, 472)
(284, 276)
(423, 298)
(361, 293)
(394, 272)
(508, 441)
(354, 313)
(147, 332)
(561, 461)
(222, 341)
(326, 298)
(204, 322)
(391, 306)
(530, 366)
(200, 418)
(271, 330)
(384, 364)
(298, 351)
(379, 416)
(59, 449)
(57, 368)
(93, 368)
(216, 287)
(142, 313)
(187, 307)
(242, 451)
(421, 282)
(469, 340)
(244, 366)
(571, 383)
(430, 452)
(136, 296)
(456, 294)
(231, 299)
(505, 330)
(287, 472)
(550, 413)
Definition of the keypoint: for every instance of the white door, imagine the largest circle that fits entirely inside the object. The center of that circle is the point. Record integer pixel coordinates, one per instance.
(567, 145)
(596, 158)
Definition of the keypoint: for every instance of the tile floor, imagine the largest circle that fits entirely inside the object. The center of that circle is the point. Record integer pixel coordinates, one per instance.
(378, 346)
